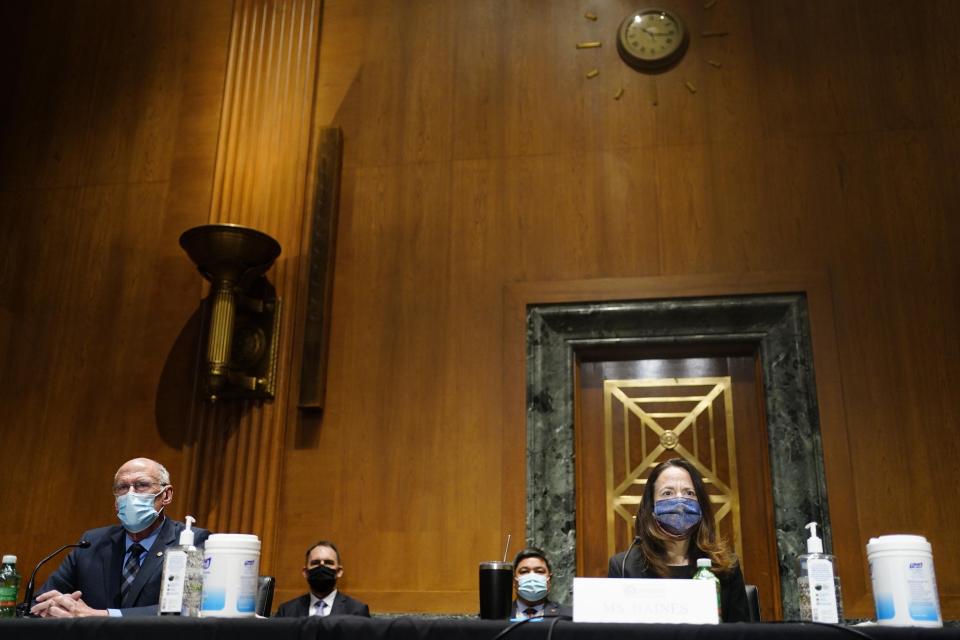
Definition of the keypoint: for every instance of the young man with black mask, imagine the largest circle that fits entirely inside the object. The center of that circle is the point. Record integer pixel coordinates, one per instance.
(322, 571)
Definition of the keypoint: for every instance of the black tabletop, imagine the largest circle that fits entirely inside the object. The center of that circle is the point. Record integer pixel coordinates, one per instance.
(424, 628)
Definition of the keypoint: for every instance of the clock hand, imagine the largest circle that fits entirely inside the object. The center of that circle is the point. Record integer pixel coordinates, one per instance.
(653, 32)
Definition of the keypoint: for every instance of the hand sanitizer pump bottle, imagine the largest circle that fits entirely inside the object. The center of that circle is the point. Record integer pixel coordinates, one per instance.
(818, 582)
(182, 585)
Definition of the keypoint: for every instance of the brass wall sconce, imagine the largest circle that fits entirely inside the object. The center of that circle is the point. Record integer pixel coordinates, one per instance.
(244, 317)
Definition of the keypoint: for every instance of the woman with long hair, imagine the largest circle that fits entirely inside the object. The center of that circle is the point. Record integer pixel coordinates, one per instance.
(674, 528)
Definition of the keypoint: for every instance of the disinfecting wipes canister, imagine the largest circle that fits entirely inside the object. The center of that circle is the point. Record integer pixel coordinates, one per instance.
(231, 564)
(904, 584)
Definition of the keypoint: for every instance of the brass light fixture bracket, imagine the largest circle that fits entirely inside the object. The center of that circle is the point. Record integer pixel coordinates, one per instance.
(244, 318)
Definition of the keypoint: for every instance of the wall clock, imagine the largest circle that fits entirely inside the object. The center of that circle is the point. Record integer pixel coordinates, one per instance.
(652, 40)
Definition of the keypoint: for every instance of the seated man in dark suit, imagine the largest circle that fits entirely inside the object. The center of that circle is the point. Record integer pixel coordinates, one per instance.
(119, 573)
(531, 577)
(322, 571)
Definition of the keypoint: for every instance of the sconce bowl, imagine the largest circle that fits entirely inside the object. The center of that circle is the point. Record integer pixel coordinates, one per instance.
(229, 252)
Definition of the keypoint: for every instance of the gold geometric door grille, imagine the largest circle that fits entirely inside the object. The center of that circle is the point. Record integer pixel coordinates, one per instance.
(651, 420)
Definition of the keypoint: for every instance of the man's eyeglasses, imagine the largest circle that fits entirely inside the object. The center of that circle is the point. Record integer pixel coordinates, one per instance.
(140, 486)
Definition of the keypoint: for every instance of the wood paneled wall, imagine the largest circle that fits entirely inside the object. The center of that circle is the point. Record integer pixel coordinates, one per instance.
(212, 110)
(108, 132)
(477, 156)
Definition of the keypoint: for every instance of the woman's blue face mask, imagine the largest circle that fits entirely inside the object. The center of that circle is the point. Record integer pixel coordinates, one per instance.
(677, 515)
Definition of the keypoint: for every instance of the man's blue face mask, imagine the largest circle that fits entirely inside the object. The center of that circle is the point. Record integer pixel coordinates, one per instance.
(532, 587)
(677, 515)
(135, 510)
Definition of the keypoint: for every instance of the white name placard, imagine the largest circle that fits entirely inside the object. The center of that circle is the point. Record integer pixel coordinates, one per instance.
(642, 600)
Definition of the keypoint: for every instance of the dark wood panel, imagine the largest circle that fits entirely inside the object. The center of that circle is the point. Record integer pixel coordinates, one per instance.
(52, 48)
(811, 78)
(774, 163)
(97, 296)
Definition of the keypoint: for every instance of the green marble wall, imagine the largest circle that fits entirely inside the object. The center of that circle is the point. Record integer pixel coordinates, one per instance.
(777, 324)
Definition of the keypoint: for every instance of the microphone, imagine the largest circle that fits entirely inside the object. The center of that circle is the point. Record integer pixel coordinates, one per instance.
(23, 609)
(623, 565)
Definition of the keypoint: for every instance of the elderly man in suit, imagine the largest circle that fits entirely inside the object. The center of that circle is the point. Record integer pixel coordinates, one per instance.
(119, 573)
(321, 572)
(531, 577)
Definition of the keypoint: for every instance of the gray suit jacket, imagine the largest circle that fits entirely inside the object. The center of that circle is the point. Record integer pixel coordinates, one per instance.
(96, 570)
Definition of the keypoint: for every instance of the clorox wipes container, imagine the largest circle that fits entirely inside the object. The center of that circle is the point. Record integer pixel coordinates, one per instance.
(904, 584)
(231, 565)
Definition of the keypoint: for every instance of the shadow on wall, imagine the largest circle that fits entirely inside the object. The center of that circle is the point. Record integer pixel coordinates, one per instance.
(177, 397)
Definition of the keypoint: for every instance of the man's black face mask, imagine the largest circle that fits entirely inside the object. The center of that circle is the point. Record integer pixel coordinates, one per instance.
(322, 579)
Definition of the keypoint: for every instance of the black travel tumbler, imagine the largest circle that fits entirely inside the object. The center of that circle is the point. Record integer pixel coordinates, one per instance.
(496, 590)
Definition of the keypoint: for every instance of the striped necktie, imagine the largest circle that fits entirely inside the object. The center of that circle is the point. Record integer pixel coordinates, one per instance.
(130, 569)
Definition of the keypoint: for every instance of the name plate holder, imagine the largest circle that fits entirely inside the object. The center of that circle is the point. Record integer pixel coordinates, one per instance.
(644, 600)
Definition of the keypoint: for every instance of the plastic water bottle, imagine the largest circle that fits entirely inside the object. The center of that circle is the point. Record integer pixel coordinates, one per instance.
(704, 573)
(9, 586)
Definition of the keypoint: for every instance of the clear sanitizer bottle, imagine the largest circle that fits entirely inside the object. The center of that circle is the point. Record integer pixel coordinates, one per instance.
(181, 587)
(818, 583)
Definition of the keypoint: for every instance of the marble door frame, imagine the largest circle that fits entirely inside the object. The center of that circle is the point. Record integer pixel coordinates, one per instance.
(777, 322)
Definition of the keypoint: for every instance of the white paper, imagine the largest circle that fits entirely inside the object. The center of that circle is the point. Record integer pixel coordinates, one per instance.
(644, 600)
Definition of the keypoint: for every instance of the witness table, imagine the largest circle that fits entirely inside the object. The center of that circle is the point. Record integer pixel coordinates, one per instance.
(423, 628)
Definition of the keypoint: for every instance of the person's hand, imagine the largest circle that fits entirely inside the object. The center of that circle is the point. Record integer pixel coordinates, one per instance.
(44, 601)
(54, 604)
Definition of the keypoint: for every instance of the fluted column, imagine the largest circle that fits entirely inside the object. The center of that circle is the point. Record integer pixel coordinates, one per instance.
(263, 170)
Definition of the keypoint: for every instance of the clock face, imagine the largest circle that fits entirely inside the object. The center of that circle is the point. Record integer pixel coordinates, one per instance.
(651, 39)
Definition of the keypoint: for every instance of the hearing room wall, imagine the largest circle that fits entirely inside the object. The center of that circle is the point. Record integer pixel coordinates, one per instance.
(477, 154)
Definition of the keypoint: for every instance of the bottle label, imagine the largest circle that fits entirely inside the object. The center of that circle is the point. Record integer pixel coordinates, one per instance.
(8, 596)
(922, 589)
(171, 594)
(705, 573)
(823, 595)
